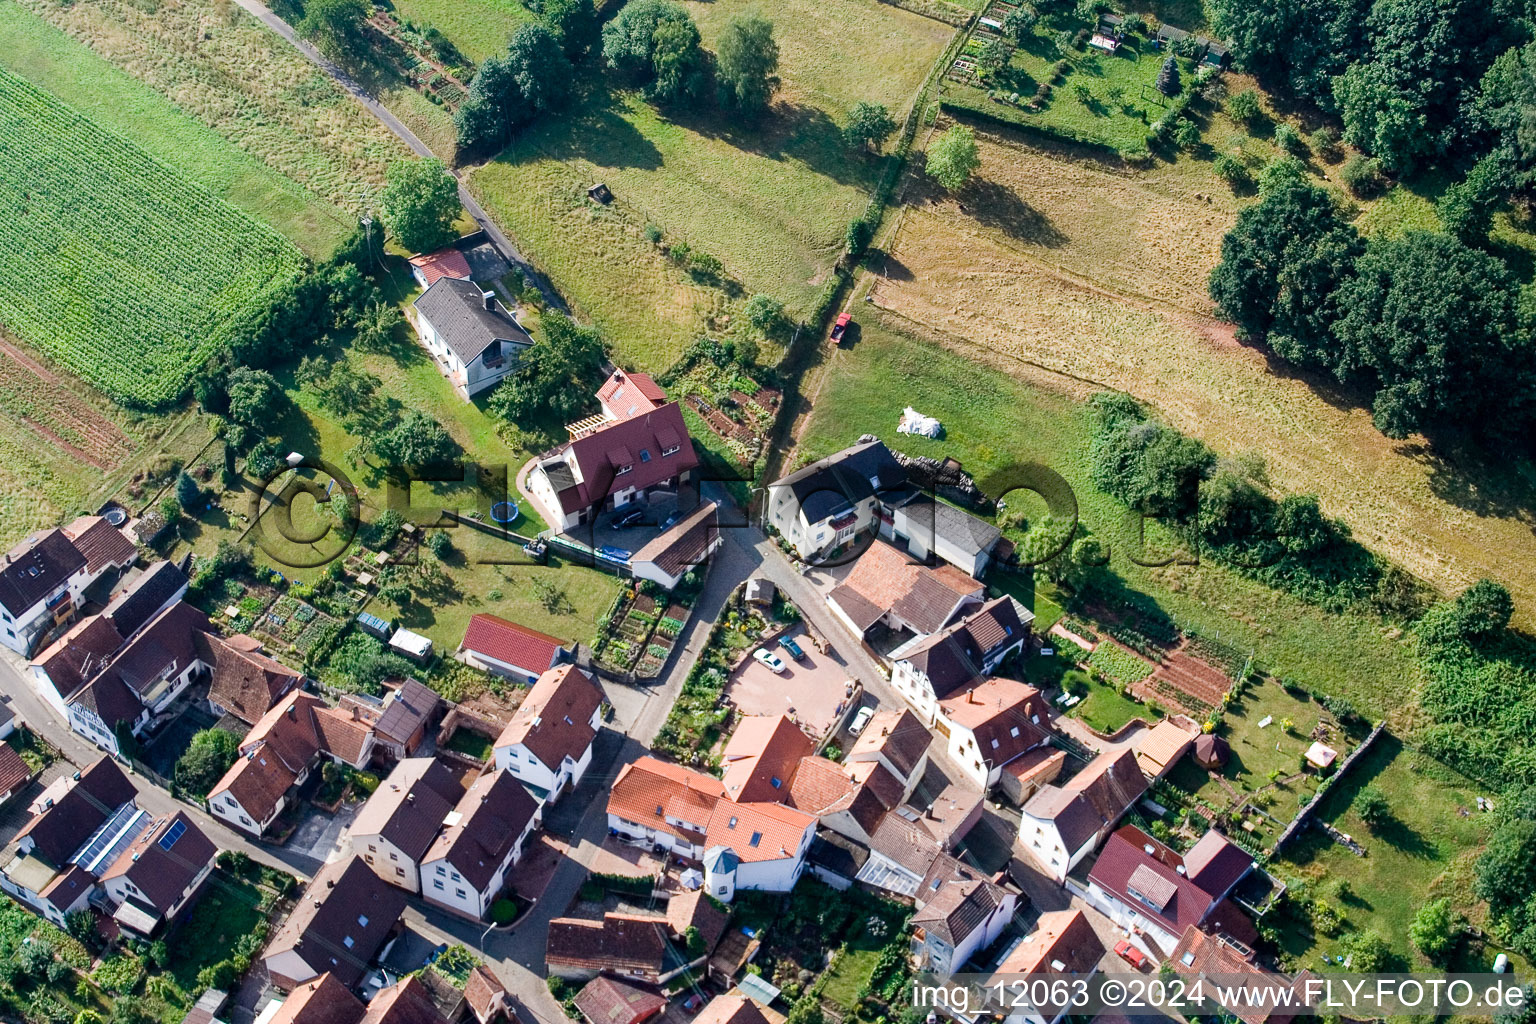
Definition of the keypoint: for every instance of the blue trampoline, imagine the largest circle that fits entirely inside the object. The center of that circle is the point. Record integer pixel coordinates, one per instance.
(504, 512)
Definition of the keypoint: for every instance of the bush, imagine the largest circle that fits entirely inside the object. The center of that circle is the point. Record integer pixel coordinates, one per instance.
(503, 911)
(1362, 176)
(1244, 107)
(1325, 142)
(1289, 139)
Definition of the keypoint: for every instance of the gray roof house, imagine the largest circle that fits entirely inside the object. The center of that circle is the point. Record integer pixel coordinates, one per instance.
(475, 341)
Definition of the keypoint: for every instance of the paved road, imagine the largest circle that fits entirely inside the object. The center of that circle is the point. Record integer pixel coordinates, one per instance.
(508, 248)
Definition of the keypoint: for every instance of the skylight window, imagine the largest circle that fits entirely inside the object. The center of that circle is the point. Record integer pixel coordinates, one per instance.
(757, 837)
(645, 455)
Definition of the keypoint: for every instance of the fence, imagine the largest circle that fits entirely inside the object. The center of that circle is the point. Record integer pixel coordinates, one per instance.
(1304, 816)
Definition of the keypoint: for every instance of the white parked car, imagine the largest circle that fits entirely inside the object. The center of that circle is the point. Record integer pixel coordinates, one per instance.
(860, 720)
(772, 661)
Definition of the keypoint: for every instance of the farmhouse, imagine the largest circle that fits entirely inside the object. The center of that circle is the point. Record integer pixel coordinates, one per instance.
(401, 819)
(400, 721)
(475, 341)
(928, 668)
(278, 754)
(614, 458)
(1149, 889)
(43, 578)
(509, 649)
(605, 1000)
(1063, 824)
(339, 923)
(548, 743)
(482, 838)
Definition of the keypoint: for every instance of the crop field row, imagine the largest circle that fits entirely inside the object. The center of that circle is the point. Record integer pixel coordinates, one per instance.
(223, 67)
(114, 264)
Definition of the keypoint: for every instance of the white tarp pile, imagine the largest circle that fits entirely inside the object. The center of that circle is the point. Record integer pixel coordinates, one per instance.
(914, 422)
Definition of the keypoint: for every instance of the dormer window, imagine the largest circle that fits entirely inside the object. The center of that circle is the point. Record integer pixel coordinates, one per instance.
(623, 469)
(670, 451)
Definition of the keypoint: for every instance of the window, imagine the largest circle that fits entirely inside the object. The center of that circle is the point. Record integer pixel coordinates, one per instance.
(731, 823)
(723, 890)
(460, 893)
(645, 455)
(396, 856)
(437, 883)
(776, 782)
(440, 870)
(1014, 732)
(670, 451)
(757, 837)
(622, 470)
(347, 942)
(372, 848)
(995, 743)
(362, 920)
(1188, 958)
(400, 872)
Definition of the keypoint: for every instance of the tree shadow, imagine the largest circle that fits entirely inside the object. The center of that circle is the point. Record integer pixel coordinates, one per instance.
(593, 128)
(999, 207)
(785, 131)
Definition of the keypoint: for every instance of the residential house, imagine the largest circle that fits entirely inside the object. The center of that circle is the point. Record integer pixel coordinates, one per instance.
(605, 1000)
(407, 1001)
(323, 1000)
(1147, 888)
(650, 947)
(486, 996)
(79, 825)
(400, 721)
(158, 873)
(470, 334)
(509, 649)
(278, 754)
(245, 682)
(958, 914)
(731, 1009)
(14, 773)
(397, 826)
(341, 920)
(430, 267)
(823, 507)
(927, 669)
(678, 550)
(896, 741)
(1062, 824)
(1023, 777)
(901, 854)
(836, 859)
(43, 577)
(848, 802)
(1160, 747)
(142, 598)
(1267, 997)
(611, 460)
(885, 587)
(743, 844)
(1063, 945)
(626, 395)
(762, 757)
(992, 724)
(548, 743)
(482, 838)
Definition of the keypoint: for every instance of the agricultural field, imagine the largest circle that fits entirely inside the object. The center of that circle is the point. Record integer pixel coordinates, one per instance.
(247, 84)
(115, 264)
(479, 28)
(966, 276)
(772, 202)
(117, 101)
(995, 417)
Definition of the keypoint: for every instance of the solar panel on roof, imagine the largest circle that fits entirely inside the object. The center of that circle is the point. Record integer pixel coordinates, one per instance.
(172, 834)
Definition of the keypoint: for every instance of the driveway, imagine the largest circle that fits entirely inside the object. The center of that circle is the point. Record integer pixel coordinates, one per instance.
(318, 834)
(811, 691)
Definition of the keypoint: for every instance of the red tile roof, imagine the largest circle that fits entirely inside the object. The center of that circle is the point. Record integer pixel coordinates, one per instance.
(648, 791)
(13, 770)
(761, 758)
(731, 1010)
(443, 263)
(407, 1001)
(321, 1001)
(484, 992)
(639, 443)
(555, 719)
(509, 642)
(1177, 901)
(618, 942)
(629, 394)
(1006, 717)
(758, 831)
(607, 1000)
(1199, 954)
(101, 543)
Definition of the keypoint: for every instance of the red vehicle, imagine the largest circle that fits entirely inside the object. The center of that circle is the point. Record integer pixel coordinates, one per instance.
(1130, 954)
(841, 327)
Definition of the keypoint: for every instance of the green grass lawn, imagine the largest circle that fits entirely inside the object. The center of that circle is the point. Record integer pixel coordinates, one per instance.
(992, 419)
(1122, 100)
(35, 50)
(471, 743)
(479, 28)
(1104, 709)
(1425, 852)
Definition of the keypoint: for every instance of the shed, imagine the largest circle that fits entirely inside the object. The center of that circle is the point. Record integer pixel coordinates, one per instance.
(375, 625)
(412, 645)
(758, 989)
(600, 193)
(760, 591)
(1212, 751)
(1320, 755)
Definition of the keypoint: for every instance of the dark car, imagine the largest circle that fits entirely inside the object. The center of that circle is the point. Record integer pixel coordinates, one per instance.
(628, 519)
(792, 647)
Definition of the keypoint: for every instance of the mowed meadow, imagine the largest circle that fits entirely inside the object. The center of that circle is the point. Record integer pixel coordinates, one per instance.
(771, 198)
(1050, 259)
(113, 263)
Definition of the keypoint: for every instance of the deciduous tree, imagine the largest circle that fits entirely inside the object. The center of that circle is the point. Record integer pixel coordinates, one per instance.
(748, 58)
(868, 124)
(953, 157)
(421, 202)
